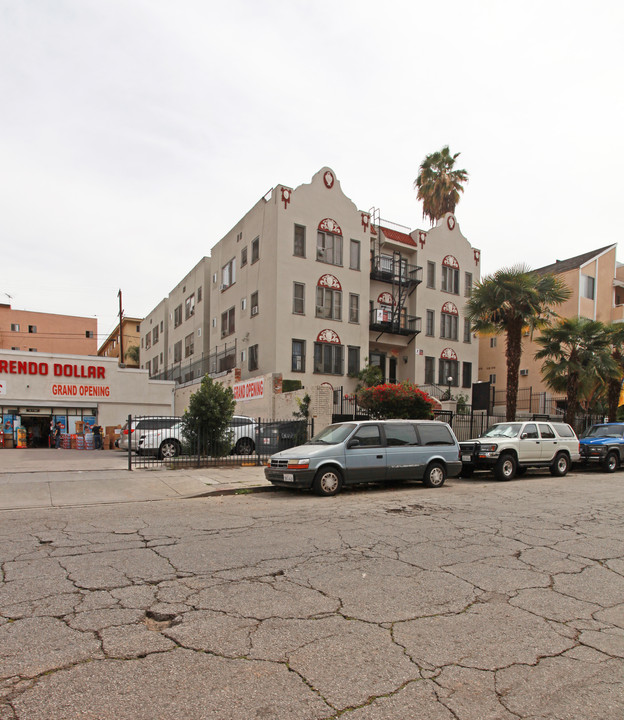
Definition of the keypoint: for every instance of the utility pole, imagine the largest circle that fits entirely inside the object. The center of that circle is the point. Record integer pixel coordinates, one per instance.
(121, 355)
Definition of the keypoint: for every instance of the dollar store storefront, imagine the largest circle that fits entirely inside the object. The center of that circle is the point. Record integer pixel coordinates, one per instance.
(39, 389)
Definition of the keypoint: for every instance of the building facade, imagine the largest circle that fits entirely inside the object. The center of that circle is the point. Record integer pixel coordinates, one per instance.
(596, 281)
(23, 330)
(130, 337)
(310, 287)
(37, 390)
(175, 337)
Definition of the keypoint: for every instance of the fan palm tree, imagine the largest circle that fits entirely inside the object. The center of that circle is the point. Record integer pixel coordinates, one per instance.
(576, 353)
(509, 301)
(439, 184)
(614, 386)
(132, 354)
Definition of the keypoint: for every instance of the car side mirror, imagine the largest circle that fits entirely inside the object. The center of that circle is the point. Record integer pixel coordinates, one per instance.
(524, 436)
(353, 443)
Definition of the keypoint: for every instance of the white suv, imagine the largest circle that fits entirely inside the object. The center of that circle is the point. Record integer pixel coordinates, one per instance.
(163, 436)
(509, 448)
(160, 436)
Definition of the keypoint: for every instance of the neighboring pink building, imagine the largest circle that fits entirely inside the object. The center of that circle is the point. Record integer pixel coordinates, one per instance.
(47, 332)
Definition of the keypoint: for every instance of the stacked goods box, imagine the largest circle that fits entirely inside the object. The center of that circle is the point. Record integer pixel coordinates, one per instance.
(112, 433)
(106, 442)
(80, 426)
(89, 441)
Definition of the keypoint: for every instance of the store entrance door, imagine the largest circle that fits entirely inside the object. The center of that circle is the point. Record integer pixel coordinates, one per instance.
(37, 430)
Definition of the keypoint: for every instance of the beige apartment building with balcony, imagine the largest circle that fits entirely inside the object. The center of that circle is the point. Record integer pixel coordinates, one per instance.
(596, 281)
(175, 335)
(116, 343)
(310, 287)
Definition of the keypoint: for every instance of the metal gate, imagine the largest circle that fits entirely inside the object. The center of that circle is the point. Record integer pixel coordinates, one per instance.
(156, 440)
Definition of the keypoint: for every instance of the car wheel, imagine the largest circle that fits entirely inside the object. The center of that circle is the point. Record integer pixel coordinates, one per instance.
(328, 481)
(245, 446)
(434, 476)
(610, 463)
(521, 470)
(561, 465)
(169, 449)
(505, 468)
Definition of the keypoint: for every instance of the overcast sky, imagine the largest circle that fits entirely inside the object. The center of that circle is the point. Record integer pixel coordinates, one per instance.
(135, 133)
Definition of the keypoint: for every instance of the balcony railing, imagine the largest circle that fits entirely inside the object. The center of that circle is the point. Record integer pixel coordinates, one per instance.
(389, 269)
(385, 320)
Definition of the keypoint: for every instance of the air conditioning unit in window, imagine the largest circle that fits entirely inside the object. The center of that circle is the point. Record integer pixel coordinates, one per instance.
(254, 310)
(524, 372)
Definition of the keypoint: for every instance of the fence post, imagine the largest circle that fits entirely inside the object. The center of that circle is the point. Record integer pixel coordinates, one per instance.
(258, 435)
(198, 435)
(129, 442)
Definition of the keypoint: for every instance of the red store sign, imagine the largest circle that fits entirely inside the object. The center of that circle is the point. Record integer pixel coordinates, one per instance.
(26, 367)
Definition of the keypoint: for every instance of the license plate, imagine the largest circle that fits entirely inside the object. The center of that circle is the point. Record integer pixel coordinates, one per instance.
(466, 458)
(288, 477)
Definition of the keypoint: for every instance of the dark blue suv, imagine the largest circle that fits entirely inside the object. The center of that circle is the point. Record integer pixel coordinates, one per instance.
(604, 444)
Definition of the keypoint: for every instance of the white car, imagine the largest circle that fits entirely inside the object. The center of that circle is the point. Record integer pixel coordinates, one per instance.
(160, 436)
(163, 436)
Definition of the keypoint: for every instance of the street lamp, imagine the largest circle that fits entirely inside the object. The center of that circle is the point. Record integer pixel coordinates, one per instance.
(449, 380)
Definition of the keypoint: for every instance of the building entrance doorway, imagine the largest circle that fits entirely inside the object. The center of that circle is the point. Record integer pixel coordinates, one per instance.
(37, 430)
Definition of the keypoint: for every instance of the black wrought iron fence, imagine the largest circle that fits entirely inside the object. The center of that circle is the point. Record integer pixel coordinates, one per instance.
(154, 441)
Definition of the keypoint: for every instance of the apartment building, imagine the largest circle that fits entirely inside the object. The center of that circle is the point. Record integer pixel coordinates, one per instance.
(29, 331)
(175, 335)
(309, 286)
(129, 336)
(596, 280)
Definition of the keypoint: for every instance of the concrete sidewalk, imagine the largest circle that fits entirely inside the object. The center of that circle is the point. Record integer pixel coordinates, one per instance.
(63, 478)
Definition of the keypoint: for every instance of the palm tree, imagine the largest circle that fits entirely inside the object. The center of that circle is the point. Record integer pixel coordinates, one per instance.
(576, 354)
(509, 301)
(132, 354)
(614, 386)
(438, 184)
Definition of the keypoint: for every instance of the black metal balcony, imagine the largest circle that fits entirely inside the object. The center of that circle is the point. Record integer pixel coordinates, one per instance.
(387, 321)
(395, 270)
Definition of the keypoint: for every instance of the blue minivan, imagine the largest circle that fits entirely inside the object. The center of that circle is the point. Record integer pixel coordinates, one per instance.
(369, 451)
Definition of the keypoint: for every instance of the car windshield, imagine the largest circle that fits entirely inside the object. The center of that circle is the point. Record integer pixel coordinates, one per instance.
(599, 431)
(503, 430)
(332, 434)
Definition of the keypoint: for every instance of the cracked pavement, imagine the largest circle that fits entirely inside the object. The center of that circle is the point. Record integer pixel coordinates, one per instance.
(477, 601)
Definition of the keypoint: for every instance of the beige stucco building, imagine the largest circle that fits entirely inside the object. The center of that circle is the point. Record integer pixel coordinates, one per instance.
(130, 336)
(310, 287)
(47, 332)
(175, 338)
(596, 281)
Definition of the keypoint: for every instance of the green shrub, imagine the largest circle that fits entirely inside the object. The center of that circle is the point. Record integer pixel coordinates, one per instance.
(205, 423)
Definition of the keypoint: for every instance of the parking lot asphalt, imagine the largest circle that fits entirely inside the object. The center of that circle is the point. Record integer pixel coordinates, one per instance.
(39, 478)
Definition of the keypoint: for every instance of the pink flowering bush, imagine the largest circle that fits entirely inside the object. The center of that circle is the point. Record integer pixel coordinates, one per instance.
(404, 400)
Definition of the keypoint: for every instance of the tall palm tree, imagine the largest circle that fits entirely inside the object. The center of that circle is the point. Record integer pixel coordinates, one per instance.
(614, 386)
(576, 353)
(439, 184)
(509, 301)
